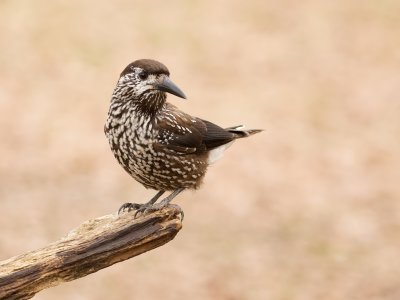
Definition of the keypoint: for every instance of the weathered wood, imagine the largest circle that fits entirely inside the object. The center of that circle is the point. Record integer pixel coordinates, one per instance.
(94, 245)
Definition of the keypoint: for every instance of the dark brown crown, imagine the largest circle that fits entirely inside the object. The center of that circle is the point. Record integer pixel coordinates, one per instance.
(149, 65)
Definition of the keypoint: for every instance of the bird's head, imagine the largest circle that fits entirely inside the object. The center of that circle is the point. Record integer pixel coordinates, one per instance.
(147, 79)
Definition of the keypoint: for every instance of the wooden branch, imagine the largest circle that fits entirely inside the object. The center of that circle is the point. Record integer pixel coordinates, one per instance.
(94, 245)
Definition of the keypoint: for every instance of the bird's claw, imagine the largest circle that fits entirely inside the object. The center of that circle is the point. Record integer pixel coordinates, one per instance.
(141, 209)
(158, 206)
(128, 207)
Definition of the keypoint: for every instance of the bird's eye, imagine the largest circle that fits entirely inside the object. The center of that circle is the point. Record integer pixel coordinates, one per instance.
(143, 75)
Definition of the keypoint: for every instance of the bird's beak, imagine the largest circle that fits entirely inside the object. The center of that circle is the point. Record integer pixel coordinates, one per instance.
(166, 85)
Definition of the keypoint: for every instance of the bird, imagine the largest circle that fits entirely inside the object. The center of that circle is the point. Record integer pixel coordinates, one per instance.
(160, 146)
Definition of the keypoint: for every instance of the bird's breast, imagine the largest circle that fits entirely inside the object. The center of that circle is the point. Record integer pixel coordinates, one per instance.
(140, 150)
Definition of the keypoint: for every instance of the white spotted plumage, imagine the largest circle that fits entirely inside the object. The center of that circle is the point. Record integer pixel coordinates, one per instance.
(160, 146)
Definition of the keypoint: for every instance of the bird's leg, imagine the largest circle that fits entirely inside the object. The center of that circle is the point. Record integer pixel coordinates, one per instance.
(168, 199)
(136, 206)
(165, 202)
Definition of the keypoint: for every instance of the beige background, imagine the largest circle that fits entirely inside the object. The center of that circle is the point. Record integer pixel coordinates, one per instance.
(309, 209)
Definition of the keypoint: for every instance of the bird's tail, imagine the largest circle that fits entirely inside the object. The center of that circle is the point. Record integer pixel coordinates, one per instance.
(238, 130)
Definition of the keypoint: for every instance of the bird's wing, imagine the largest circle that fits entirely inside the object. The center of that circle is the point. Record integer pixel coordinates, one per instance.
(187, 135)
(215, 136)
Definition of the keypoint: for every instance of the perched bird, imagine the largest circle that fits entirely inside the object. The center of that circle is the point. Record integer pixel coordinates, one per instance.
(160, 146)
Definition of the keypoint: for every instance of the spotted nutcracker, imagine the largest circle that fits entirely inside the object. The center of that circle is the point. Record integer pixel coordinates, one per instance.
(160, 146)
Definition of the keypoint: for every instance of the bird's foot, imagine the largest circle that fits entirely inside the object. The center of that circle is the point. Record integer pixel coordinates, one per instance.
(152, 206)
(128, 207)
(145, 209)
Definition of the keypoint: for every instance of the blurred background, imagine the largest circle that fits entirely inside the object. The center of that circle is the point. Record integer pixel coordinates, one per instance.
(308, 209)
